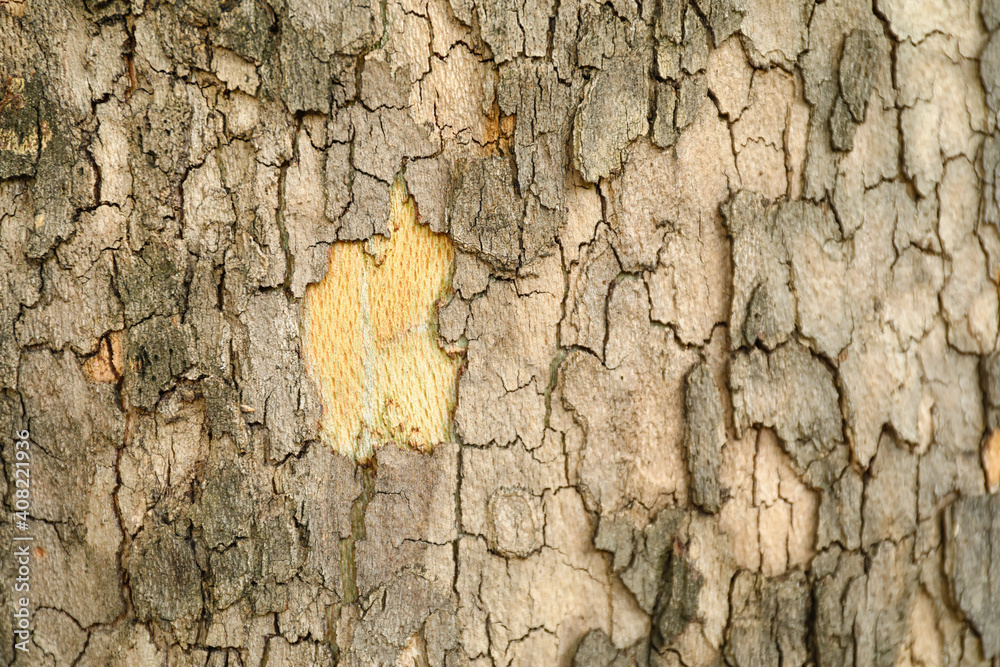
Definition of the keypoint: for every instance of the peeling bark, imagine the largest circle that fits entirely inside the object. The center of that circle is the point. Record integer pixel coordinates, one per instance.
(698, 363)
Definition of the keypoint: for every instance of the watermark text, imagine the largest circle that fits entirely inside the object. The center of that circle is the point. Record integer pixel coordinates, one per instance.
(21, 541)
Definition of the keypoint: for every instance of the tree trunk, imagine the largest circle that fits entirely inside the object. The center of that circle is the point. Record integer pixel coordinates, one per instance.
(474, 332)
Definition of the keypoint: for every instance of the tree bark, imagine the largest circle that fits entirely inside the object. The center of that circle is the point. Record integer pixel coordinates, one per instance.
(473, 332)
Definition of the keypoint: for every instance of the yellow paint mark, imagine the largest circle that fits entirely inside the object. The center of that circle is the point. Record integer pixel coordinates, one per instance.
(370, 342)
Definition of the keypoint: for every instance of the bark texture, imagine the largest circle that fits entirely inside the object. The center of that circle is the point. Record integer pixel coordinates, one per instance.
(724, 299)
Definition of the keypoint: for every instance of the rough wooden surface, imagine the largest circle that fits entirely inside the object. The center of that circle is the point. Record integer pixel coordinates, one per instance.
(724, 309)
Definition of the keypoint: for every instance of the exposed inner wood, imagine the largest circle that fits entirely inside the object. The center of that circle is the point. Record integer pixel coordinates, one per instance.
(370, 341)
